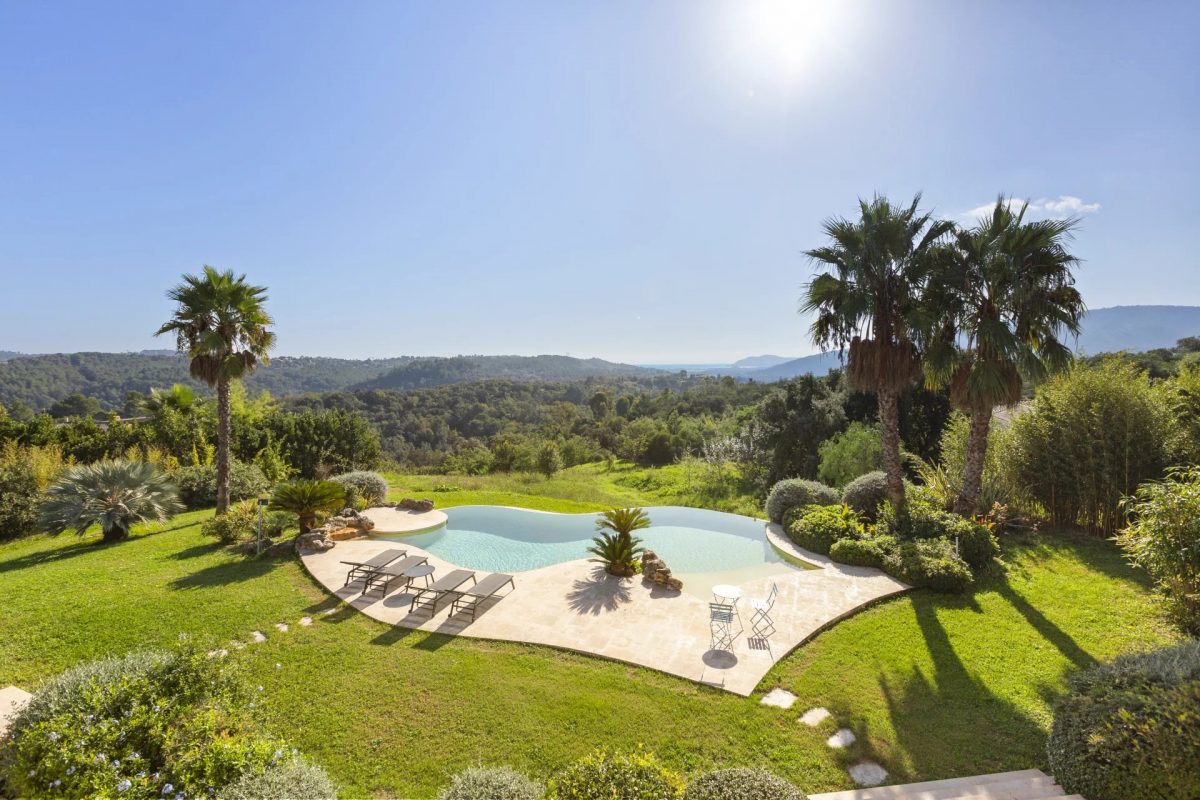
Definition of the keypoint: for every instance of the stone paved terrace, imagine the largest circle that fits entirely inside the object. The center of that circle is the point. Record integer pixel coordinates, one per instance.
(576, 606)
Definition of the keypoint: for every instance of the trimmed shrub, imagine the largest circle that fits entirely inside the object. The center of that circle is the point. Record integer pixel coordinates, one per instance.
(865, 493)
(797, 492)
(603, 776)
(818, 527)
(198, 484)
(976, 543)
(361, 484)
(240, 523)
(862, 552)
(148, 725)
(741, 784)
(929, 563)
(1130, 729)
(491, 783)
(290, 780)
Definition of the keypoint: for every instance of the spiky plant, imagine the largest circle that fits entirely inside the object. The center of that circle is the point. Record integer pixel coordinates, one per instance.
(308, 499)
(1002, 300)
(617, 552)
(115, 494)
(866, 304)
(180, 397)
(618, 525)
(220, 323)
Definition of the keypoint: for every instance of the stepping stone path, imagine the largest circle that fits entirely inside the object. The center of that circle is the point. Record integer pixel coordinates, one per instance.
(12, 700)
(868, 773)
(780, 698)
(306, 621)
(257, 636)
(843, 738)
(282, 627)
(815, 716)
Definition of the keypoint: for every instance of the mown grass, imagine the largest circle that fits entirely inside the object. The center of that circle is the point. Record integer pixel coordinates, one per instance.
(934, 686)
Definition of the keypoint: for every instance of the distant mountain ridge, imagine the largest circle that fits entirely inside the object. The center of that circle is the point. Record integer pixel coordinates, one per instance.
(1136, 328)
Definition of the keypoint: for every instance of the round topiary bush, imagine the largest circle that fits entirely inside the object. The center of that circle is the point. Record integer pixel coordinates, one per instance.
(862, 552)
(1130, 729)
(289, 780)
(796, 492)
(929, 563)
(491, 783)
(741, 784)
(603, 776)
(370, 487)
(818, 527)
(865, 493)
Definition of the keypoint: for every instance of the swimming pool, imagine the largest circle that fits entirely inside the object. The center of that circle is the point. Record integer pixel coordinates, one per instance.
(701, 547)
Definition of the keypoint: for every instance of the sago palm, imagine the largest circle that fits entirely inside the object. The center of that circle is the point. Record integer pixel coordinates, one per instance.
(616, 538)
(220, 323)
(115, 494)
(866, 304)
(308, 499)
(1002, 300)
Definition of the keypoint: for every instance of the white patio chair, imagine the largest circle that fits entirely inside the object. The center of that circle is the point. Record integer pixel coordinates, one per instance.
(721, 617)
(760, 621)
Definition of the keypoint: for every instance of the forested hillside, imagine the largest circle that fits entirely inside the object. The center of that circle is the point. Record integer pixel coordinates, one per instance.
(40, 381)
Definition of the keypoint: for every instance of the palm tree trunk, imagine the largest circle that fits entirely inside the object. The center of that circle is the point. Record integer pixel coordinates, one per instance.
(889, 433)
(224, 428)
(972, 479)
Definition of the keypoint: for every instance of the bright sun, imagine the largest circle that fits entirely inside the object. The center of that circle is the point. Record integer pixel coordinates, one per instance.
(778, 44)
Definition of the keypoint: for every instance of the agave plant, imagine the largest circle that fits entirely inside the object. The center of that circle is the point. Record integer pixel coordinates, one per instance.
(618, 553)
(308, 499)
(615, 547)
(114, 494)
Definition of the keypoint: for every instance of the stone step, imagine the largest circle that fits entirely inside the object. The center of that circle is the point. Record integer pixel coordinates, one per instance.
(12, 700)
(1031, 784)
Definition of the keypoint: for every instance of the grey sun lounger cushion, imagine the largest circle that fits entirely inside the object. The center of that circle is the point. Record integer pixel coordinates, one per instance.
(469, 599)
(385, 576)
(361, 569)
(444, 586)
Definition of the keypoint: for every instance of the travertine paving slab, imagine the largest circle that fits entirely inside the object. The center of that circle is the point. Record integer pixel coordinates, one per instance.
(867, 773)
(780, 698)
(844, 737)
(12, 700)
(400, 520)
(815, 716)
(576, 606)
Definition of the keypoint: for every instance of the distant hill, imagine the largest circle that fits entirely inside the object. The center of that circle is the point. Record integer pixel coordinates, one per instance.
(1137, 328)
(39, 381)
(424, 372)
(8, 355)
(817, 364)
(761, 362)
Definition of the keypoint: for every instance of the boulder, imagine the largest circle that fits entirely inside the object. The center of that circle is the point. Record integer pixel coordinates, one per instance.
(317, 541)
(656, 571)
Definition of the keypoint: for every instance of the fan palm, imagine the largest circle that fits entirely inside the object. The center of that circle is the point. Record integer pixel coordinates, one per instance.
(616, 546)
(115, 494)
(866, 303)
(1001, 301)
(180, 397)
(220, 323)
(308, 499)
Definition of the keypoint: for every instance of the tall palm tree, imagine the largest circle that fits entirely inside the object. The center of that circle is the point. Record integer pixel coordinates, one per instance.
(220, 323)
(115, 494)
(866, 302)
(1002, 300)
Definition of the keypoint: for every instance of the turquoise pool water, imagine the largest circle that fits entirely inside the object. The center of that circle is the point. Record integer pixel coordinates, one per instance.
(707, 547)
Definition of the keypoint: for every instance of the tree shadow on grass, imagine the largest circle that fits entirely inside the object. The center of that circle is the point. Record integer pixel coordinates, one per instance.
(50, 556)
(194, 552)
(1049, 631)
(599, 593)
(951, 723)
(1096, 553)
(431, 642)
(224, 574)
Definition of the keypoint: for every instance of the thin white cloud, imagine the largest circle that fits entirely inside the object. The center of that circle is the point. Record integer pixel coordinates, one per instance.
(1065, 206)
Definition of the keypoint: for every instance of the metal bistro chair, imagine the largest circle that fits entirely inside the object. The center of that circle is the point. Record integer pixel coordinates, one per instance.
(760, 621)
(721, 619)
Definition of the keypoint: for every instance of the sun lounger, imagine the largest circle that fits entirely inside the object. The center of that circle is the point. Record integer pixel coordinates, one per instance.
(361, 569)
(445, 586)
(470, 599)
(384, 577)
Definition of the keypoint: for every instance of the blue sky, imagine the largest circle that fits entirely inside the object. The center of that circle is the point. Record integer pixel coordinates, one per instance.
(630, 180)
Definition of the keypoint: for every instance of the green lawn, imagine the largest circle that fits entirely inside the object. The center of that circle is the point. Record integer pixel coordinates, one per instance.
(934, 686)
